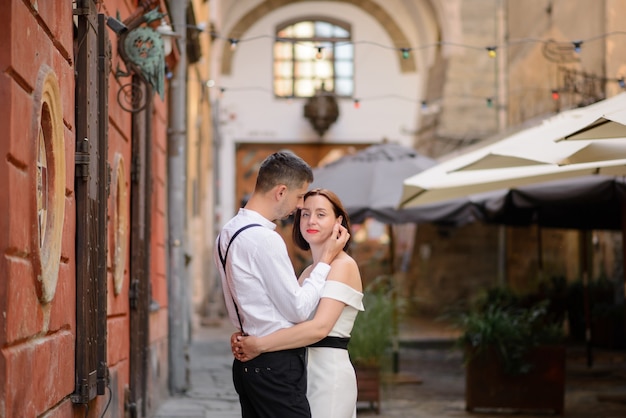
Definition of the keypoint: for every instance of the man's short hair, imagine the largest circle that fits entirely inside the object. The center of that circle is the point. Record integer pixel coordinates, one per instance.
(283, 167)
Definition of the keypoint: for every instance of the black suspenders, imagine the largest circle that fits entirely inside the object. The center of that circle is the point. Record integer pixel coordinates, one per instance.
(223, 260)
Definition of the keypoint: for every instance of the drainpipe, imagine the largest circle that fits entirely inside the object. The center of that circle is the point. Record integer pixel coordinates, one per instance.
(178, 288)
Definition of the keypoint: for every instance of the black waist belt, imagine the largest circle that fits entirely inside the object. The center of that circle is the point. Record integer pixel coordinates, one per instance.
(332, 342)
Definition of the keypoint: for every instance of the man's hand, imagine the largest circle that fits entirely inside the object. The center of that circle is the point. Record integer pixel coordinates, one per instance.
(233, 342)
(335, 243)
(245, 347)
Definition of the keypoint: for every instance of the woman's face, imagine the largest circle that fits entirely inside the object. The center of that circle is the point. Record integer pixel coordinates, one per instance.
(317, 219)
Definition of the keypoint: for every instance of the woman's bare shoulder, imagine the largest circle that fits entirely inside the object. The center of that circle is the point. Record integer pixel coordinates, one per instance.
(346, 270)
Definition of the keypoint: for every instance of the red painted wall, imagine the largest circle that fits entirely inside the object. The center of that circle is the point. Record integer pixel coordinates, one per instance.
(37, 340)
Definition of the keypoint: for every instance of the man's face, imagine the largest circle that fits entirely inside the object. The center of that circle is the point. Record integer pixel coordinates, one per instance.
(292, 199)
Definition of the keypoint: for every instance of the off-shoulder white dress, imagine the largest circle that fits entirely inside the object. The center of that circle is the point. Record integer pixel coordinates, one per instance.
(331, 381)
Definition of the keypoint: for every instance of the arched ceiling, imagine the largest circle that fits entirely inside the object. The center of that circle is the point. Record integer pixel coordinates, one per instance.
(387, 22)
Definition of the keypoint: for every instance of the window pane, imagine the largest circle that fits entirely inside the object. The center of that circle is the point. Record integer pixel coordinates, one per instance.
(327, 50)
(340, 32)
(283, 88)
(344, 87)
(304, 88)
(305, 51)
(286, 32)
(344, 51)
(329, 84)
(323, 69)
(283, 50)
(304, 69)
(323, 30)
(344, 69)
(303, 30)
(283, 69)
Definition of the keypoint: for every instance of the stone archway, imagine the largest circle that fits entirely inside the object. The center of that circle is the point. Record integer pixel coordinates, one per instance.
(398, 37)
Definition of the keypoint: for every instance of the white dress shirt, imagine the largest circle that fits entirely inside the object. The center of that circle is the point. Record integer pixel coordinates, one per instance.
(261, 278)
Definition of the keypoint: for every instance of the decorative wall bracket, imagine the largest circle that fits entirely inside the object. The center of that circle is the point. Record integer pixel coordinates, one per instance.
(141, 48)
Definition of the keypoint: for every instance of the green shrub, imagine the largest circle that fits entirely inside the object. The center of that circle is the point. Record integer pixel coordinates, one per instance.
(497, 321)
(373, 329)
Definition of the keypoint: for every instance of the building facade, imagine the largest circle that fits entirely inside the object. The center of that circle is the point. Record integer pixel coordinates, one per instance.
(85, 295)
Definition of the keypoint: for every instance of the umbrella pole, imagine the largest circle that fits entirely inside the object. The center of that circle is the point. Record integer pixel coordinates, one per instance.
(584, 253)
(619, 398)
(623, 206)
(539, 252)
(392, 272)
(624, 245)
(502, 256)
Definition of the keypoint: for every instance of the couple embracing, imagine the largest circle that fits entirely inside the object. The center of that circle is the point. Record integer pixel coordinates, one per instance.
(291, 357)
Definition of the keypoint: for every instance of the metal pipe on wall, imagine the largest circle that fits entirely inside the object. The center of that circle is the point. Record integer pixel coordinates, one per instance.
(178, 287)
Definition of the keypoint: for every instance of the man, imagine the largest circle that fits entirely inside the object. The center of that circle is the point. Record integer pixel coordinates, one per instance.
(261, 289)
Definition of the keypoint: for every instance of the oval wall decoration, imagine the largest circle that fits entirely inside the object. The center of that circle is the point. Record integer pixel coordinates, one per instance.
(50, 181)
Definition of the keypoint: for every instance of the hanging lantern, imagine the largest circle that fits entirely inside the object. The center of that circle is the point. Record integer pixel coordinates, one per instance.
(321, 110)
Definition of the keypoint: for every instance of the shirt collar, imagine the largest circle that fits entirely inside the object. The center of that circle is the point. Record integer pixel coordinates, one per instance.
(256, 217)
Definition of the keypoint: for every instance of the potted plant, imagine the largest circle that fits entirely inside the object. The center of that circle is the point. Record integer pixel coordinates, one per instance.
(514, 355)
(369, 343)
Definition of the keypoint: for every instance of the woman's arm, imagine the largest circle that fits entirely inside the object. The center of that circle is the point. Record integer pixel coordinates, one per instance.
(299, 335)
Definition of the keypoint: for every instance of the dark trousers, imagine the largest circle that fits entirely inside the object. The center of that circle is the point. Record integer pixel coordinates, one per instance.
(273, 385)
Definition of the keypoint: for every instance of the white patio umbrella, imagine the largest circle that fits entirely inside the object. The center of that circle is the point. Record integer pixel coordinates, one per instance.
(438, 184)
(611, 125)
(583, 141)
(593, 133)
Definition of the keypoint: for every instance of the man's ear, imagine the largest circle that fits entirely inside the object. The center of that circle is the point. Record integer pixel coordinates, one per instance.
(280, 191)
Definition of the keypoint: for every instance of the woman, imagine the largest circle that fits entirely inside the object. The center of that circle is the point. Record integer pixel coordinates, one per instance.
(331, 380)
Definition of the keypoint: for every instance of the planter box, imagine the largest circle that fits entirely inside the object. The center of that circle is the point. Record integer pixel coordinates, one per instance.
(368, 386)
(543, 388)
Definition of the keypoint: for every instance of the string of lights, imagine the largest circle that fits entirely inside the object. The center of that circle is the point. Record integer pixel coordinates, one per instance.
(575, 45)
(426, 106)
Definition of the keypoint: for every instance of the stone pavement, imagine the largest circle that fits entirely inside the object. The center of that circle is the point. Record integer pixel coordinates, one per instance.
(430, 382)
(212, 394)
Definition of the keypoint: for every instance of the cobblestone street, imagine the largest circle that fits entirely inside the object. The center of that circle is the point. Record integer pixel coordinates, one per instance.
(430, 382)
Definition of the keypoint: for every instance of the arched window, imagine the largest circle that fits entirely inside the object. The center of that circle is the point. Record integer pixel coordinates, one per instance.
(311, 54)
